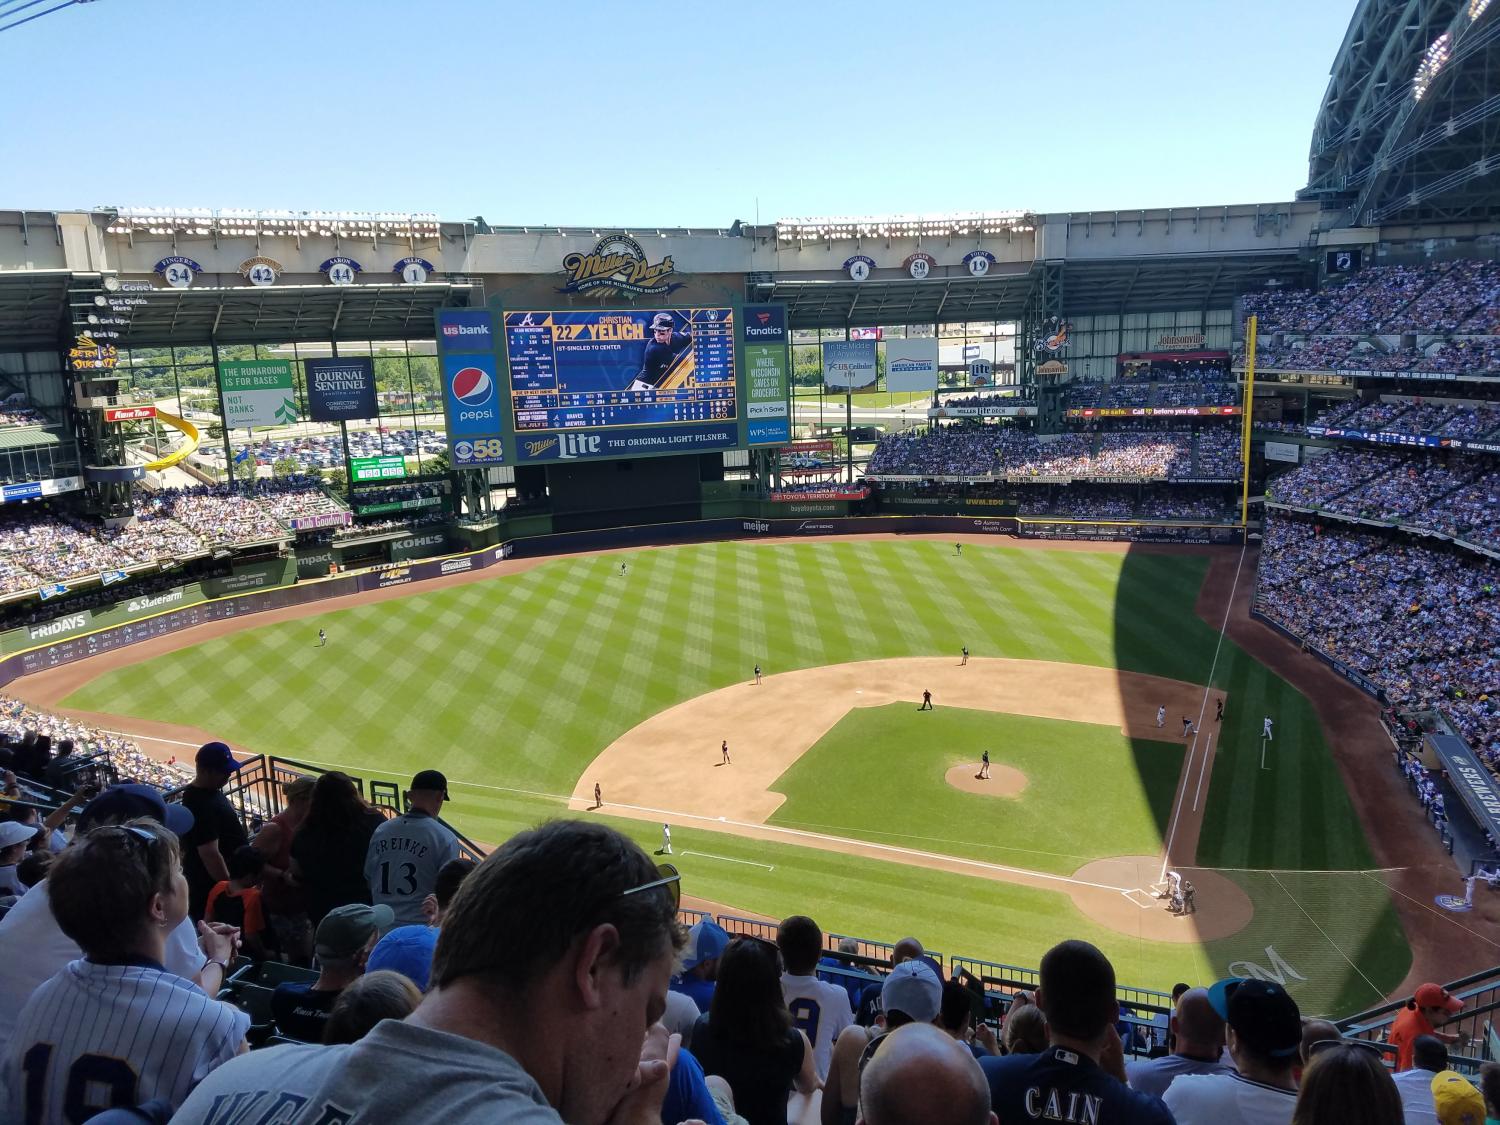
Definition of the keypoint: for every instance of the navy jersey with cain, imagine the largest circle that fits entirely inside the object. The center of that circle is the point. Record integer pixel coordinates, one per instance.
(403, 862)
(660, 357)
(1060, 1085)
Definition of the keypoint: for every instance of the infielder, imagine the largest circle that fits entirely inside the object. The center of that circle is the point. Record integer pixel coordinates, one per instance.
(598, 796)
(724, 752)
(1265, 729)
(965, 660)
(1161, 716)
(1187, 726)
(662, 352)
(757, 673)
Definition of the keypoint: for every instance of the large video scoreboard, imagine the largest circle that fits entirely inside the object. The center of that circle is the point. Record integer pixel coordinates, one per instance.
(541, 385)
(635, 368)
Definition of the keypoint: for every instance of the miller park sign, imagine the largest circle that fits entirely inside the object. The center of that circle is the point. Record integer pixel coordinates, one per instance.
(618, 265)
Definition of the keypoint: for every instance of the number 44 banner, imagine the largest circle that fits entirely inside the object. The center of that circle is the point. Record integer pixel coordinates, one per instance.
(258, 392)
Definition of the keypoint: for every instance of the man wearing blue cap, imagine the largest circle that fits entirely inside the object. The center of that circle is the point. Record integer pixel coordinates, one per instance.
(1264, 1036)
(706, 943)
(217, 832)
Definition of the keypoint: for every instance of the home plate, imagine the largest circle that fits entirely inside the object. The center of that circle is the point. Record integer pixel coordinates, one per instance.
(1144, 899)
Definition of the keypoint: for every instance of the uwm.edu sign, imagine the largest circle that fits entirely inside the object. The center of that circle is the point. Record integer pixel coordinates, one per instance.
(128, 413)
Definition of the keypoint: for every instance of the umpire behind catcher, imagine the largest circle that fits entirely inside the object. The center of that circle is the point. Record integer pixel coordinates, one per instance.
(662, 350)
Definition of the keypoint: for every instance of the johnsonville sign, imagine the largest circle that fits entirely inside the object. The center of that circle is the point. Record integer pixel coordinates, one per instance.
(1190, 342)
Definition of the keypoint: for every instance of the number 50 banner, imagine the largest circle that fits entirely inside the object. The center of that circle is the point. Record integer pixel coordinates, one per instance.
(257, 392)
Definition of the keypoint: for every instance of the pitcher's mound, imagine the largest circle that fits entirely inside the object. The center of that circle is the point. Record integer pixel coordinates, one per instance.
(1004, 781)
(1224, 908)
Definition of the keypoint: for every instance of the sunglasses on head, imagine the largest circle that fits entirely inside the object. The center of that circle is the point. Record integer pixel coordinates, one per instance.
(136, 837)
(670, 878)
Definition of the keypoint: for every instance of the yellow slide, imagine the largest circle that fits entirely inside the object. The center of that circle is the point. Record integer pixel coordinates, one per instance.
(188, 446)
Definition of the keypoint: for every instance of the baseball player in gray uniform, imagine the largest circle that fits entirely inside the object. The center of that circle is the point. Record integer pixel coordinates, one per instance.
(114, 1028)
(406, 852)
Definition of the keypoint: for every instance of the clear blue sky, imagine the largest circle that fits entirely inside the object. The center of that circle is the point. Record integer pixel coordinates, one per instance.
(654, 113)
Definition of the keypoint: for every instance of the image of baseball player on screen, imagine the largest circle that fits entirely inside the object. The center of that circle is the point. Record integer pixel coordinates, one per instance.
(663, 350)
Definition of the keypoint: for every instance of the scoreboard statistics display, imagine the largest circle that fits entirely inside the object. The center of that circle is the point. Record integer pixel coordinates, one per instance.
(601, 369)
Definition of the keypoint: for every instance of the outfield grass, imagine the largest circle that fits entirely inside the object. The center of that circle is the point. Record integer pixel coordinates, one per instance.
(846, 786)
(514, 684)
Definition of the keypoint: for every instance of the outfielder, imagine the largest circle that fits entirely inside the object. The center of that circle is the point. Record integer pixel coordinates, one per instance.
(322, 638)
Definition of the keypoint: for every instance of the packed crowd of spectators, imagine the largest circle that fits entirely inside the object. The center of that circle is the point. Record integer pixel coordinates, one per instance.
(1420, 621)
(1458, 297)
(557, 980)
(19, 720)
(19, 414)
(1457, 495)
(1085, 395)
(1126, 502)
(42, 547)
(985, 450)
(1014, 396)
(1358, 324)
(1429, 416)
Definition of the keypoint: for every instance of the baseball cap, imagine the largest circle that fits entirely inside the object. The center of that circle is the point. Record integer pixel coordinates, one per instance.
(705, 941)
(216, 756)
(912, 988)
(1455, 1100)
(13, 832)
(133, 799)
(345, 930)
(431, 780)
(408, 951)
(660, 321)
(299, 786)
(1436, 996)
(1262, 1013)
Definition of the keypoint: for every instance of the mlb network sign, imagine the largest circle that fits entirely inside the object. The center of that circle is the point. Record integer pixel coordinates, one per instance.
(765, 324)
(466, 330)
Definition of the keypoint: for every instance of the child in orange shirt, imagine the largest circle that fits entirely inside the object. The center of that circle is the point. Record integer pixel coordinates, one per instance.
(236, 901)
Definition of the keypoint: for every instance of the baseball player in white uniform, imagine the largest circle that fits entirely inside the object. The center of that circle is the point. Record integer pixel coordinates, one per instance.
(407, 852)
(1265, 728)
(666, 839)
(1161, 716)
(115, 1028)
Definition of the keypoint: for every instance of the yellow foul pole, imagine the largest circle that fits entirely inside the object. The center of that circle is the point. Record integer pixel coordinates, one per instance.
(1250, 326)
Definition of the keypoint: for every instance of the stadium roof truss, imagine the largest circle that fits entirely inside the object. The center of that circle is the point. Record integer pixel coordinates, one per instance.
(1409, 130)
(1089, 288)
(34, 311)
(32, 305)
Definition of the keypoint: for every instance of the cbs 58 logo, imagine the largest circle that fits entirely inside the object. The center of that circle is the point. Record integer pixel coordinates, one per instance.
(482, 449)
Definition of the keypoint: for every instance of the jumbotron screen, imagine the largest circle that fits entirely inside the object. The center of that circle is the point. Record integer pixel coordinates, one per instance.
(630, 367)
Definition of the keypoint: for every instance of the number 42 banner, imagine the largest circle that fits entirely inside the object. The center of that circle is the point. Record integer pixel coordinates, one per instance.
(257, 392)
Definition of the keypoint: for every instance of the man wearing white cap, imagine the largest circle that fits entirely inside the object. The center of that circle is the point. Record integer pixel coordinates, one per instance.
(911, 994)
(13, 840)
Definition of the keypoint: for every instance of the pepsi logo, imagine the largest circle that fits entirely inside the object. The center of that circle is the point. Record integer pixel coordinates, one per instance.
(472, 386)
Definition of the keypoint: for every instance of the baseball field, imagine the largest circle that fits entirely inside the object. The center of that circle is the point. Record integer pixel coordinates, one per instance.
(841, 799)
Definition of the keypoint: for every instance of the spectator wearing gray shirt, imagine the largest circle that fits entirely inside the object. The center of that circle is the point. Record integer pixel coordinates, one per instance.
(1200, 1047)
(407, 851)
